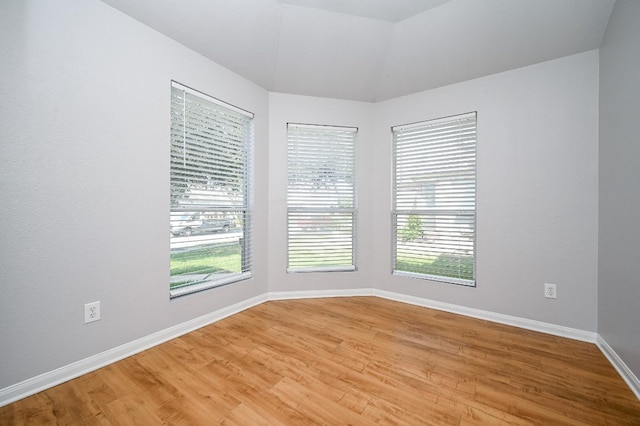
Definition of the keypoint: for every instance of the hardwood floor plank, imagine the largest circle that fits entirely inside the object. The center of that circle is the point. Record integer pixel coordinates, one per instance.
(358, 360)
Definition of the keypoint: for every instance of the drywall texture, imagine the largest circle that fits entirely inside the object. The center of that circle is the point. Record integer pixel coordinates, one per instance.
(285, 109)
(537, 190)
(619, 214)
(84, 182)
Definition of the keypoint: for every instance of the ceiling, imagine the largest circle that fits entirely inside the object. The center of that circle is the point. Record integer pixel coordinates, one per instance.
(384, 10)
(373, 50)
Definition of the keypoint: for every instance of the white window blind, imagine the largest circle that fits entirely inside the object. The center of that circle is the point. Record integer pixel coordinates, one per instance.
(210, 219)
(434, 199)
(321, 198)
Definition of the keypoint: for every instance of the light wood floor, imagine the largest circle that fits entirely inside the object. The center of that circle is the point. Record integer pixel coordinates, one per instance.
(339, 361)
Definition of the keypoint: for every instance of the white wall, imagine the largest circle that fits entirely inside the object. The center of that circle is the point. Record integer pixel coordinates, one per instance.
(537, 177)
(84, 182)
(619, 239)
(285, 109)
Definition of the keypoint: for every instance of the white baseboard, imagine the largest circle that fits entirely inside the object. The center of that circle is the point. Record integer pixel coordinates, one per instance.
(71, 371)
(314, 294)
(528, 324)
(624, 371)
(556, 330)
(44, 381)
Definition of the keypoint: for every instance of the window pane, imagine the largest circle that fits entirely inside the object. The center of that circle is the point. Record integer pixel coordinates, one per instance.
(320, 240)
(206, 246)
(431, 244)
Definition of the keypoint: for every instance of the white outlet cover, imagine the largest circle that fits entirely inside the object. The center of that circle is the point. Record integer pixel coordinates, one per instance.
(550, 291)
(91, 312)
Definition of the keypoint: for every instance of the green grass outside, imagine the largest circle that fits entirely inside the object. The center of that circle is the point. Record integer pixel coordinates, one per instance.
(226, 258)
(445, 265)
(205, 260)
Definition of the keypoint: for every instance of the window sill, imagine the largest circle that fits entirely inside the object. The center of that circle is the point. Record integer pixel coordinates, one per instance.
(206, 285)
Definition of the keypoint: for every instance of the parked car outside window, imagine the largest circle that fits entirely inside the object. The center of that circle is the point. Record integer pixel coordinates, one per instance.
(187, 224)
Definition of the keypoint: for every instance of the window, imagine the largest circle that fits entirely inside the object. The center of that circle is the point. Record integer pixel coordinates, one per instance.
(434, 198)
(210, 219)
(321, 204)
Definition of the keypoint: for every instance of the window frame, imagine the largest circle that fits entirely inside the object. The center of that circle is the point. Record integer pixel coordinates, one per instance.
(434, 212)
(293, 210)
(205, 207)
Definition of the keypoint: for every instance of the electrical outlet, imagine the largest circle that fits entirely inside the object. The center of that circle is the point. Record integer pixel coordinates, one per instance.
(550, 291)
(91, 312)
